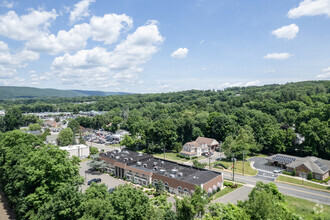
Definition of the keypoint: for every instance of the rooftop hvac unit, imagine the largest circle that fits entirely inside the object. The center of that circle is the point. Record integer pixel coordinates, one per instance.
(155, 163)
(180, 174)
(139, 154)
(155, 168)
(117, 157)
(138, 163)
(172, 175)
(125, 159)
(161, 171)
(145, 165)
(131, 159)
(162, 162)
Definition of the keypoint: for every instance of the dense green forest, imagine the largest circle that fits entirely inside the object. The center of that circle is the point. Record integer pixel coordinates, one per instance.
(255, 119)
(42, 182)
(13, 92)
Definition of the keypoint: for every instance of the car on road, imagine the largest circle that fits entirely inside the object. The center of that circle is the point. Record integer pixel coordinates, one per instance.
(277, 171)
(96, 180)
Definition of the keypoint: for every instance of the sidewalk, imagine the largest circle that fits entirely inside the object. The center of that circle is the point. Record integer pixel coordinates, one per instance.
(232, 197)
(305, 180)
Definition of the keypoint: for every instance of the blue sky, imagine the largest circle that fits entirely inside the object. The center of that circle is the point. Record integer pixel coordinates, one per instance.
(148, 46)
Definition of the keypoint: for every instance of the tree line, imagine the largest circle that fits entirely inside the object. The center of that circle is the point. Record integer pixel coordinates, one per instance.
(254, 119)
(42, 182)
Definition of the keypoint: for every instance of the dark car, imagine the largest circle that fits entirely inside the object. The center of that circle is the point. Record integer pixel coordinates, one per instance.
(111, 190)
(96, 180)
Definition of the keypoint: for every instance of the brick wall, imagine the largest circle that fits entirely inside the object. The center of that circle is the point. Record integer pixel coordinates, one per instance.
(213, 182)
(174, 183)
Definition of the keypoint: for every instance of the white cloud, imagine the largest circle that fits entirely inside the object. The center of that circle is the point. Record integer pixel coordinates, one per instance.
(106, 28)
(180, 53)
(27, 26)
(252, 83)
(270, 71)
(324, 75)
(326, 69)
(80, 10)
(7, 4)
(9, 62)
(277, 56)
(108, 68)
(310, 8)
(288, 32)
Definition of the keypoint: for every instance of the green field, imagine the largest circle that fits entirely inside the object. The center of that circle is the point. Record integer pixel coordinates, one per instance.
(305, 208)
(239, 167)
(302, 183)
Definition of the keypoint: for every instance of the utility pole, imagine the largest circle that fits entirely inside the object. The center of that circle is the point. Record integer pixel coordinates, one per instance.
(243, 162)
(164, 152)
(234, 167)
(209, 162)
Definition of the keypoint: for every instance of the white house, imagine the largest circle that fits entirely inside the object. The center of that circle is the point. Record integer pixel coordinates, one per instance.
(80, 150)
(199, 146)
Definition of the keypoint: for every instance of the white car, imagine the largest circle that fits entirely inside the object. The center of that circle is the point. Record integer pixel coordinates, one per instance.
(277, 171)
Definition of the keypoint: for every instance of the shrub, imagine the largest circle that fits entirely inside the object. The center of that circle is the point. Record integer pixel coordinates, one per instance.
(310, 176)
(287, 173)
(221, 164)
(194, 157)
(294, 172)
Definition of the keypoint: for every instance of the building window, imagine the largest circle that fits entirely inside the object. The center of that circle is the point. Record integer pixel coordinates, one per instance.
(186, 191)
(180, 191)
(155, 182)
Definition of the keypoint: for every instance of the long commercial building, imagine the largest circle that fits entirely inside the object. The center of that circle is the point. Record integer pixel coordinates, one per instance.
(145, 169)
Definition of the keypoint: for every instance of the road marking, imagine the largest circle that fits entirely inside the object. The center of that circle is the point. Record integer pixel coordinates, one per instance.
(298, 190)
(303, 191)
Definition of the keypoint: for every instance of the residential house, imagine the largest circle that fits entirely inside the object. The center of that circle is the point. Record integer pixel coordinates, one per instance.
(80, 150)
(199, 146)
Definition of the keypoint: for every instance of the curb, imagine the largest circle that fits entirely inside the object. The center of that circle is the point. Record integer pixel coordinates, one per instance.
(323, 190)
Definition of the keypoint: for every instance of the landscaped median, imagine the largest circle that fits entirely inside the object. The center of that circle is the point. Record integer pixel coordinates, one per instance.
(248, 170)
(229, 187)
(303, 183)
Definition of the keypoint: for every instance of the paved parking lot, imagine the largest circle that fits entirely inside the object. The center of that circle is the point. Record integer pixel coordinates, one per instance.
(105, 178)
(264, 170)
(214, 157)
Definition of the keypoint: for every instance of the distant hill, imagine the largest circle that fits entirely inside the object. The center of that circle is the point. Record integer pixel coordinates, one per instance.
(14, 92)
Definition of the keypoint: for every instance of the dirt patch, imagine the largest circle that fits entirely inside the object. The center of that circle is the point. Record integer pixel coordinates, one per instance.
(5, 211)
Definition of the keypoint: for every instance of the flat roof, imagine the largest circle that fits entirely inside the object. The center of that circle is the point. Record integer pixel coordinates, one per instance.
(163, 167)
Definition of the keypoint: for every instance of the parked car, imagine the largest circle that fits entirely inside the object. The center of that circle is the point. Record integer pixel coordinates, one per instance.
(111, 190)
(96, 180)
(277, 171)
(206, 154)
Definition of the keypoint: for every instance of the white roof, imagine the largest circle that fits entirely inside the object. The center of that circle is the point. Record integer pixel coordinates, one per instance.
(71, 147)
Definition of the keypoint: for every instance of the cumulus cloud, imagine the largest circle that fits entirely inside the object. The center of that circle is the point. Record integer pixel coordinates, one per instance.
(324, 75)
(310, 8)
(107, 68)
(9, 62)
(180, 53)
(288, 32)
(27, 26)
(106, 28)
(7, 4)
(240, 84)
(277, 56)
(80, 10)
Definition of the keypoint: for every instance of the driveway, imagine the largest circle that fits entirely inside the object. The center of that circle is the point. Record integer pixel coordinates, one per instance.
(215, 157)
(264, 170)
(105, 178)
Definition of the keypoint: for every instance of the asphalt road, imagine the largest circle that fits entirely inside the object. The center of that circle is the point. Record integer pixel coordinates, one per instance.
(286, 189)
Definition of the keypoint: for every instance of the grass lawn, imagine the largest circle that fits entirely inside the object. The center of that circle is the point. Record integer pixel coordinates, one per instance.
(304, 208)
(224, 192)
(304, 183)
(239, 167)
